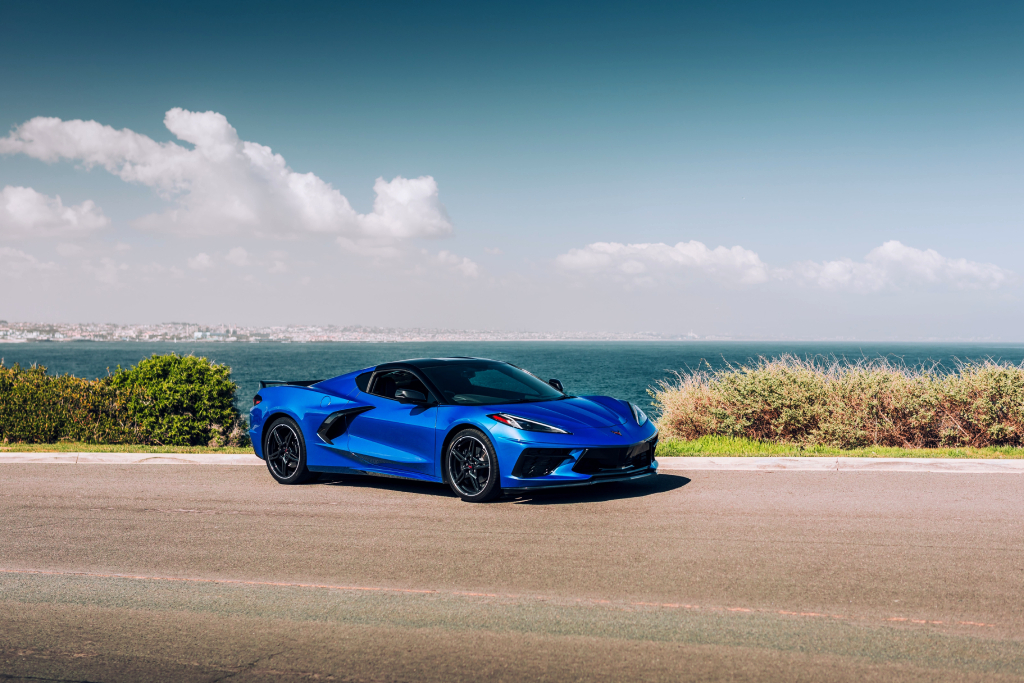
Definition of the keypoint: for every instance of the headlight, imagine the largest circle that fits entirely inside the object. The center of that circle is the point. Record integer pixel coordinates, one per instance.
(638, 415)
(516, 422)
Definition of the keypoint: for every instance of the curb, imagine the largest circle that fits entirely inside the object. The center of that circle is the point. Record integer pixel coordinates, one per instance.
(758, 464)
(835, 464)
(133, 458)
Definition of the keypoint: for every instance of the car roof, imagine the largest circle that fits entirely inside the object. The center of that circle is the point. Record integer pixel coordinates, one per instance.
(434, 362)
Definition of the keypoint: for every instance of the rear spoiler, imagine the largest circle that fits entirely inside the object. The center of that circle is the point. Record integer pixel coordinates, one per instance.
(264, 383)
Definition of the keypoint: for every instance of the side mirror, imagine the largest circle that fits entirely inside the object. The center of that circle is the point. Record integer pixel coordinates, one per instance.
(409, 396)
(556, 384)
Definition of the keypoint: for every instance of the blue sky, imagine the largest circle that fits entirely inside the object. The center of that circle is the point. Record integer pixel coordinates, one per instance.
(860, 166)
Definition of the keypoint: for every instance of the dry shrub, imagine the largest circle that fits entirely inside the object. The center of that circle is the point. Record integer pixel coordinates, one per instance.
(848, 405)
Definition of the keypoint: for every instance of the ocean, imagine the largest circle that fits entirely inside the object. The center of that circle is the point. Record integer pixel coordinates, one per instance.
(622, 369)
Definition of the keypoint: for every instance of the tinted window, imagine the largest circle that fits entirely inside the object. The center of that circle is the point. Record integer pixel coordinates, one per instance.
(488, 383)
(363, 381)
(387, 383)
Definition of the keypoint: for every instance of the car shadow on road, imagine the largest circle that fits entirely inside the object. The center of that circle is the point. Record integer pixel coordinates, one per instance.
(385, 484)
(663, 483)
(597, 493)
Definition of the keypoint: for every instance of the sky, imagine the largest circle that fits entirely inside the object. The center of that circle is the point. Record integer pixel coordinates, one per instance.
(757, 170)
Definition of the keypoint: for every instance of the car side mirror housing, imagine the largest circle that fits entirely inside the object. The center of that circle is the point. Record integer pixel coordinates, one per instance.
(556, 384)
(410, 396)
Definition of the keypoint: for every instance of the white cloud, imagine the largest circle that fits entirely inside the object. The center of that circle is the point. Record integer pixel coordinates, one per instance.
(200, 261)
(375, 248)
(15, 263)
(66, 249)
(157, 272)
(639, 259)
(895, 265)
(27, 213)
(459, 264)
(224, 184)
(892, 265)
(492, 250)
(108, 271)
(238, 257)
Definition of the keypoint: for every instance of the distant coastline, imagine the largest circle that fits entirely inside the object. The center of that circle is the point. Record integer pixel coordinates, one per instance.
(23, 332)
(174, 332)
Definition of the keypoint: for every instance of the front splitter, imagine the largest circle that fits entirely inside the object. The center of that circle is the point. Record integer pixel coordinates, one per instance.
(589, 482)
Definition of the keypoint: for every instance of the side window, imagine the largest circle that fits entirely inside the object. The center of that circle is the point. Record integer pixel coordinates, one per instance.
(363, 381)
(387, 383)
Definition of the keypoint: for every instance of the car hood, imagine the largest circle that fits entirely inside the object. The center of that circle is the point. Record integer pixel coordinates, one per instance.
(568, 413)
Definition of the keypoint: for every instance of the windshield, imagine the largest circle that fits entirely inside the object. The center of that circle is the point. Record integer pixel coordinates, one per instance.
(488, 383)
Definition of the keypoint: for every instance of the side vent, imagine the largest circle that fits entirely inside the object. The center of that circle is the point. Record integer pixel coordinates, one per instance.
(336, 423)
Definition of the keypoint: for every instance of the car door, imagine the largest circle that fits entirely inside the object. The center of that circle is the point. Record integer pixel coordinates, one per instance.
(396, 436)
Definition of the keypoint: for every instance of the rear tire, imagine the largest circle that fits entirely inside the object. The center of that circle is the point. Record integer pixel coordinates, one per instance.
(284, 451)
(471, 466)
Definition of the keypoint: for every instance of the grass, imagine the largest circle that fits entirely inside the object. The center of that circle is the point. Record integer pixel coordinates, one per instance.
(709, 446)
(77, 447)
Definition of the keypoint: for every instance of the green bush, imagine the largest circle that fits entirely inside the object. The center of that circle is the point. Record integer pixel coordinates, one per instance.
(166, 400)
(39, 408)
(848, 405)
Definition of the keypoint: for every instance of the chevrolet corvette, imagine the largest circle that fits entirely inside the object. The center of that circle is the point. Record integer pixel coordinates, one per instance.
(481, 426)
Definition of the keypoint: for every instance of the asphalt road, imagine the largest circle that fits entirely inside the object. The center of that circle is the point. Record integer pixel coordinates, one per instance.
(209, 573)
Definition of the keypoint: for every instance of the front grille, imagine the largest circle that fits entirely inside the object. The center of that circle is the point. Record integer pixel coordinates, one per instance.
(539, 462)
(616, 460)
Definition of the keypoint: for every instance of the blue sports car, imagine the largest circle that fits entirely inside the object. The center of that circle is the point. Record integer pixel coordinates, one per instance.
(482, 426)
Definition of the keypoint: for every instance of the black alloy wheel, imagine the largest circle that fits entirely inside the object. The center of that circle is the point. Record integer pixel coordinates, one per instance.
(285, 452)
(471, 467)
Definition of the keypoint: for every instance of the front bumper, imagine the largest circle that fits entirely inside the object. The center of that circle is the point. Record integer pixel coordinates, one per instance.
(537, 466)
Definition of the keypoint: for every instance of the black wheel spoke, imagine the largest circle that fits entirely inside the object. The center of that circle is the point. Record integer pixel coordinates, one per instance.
(283, 451)
(468, 463)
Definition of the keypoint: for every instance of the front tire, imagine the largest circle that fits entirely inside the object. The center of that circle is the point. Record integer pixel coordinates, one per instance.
(284, 450)
(471, 466)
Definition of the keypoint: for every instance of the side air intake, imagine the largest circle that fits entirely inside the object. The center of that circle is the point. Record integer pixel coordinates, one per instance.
(335, 424)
